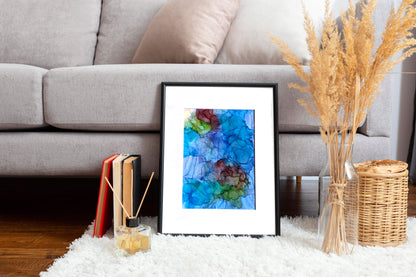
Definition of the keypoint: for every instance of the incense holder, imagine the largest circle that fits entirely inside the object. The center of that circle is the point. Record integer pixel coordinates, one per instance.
(133, 237)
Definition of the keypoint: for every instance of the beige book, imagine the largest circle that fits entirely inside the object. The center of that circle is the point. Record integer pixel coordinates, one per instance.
(117, 185)
(127, 186)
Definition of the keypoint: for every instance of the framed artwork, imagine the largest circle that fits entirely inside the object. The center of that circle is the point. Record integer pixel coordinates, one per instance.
(219, 159)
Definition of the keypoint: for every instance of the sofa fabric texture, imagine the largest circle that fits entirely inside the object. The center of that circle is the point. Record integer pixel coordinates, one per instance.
(21, 105)
(187, 31)
(47, 33)
(309, 153)
(47, 153)
(128, 97)
(70, 97)
(379, 123)
(122, 27)
(72, 153)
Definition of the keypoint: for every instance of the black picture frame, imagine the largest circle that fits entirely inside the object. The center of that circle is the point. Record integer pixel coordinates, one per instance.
(176, 219)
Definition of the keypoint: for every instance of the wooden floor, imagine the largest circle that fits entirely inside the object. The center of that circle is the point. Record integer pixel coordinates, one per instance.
(39, 218)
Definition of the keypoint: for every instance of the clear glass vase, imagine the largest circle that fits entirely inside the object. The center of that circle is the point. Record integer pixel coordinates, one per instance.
(338, 200)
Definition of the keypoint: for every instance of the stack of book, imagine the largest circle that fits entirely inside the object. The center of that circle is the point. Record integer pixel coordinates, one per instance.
(124, 173)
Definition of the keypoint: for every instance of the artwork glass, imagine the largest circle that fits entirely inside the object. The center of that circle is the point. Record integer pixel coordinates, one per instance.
(218, 159)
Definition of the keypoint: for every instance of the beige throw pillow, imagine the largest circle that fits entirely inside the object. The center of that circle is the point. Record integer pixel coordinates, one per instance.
(247, 41)
(187, 31)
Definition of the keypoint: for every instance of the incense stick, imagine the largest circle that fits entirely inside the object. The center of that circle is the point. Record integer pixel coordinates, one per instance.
(144, 195)
(115, 194)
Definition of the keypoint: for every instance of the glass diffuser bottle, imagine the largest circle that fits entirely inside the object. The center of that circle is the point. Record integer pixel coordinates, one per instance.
(133, 237)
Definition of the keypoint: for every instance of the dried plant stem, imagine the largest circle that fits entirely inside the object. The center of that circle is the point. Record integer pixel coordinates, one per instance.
(335, 235)
(345, 73)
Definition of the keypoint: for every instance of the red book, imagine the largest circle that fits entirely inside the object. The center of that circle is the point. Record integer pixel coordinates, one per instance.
(103, 216)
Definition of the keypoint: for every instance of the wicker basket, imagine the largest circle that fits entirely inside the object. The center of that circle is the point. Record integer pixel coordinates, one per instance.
(383, 193)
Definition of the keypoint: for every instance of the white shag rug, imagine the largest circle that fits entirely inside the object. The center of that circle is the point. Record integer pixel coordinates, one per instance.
(295, 253)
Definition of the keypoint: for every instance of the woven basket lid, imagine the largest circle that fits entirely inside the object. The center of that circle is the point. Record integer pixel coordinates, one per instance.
(381, 167)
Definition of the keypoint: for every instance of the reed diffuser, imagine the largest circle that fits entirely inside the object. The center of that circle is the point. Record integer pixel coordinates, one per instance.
(345, 75)
(132, 236)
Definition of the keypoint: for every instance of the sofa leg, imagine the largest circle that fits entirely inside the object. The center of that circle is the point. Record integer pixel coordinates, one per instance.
(298, 180)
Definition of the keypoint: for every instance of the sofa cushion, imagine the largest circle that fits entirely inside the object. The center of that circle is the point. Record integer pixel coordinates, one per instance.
(123, 24)
(69, 154)
(305, 155)
(187, 31)
(49, 33)
(247, 41)
(21, 105)
(128, 97)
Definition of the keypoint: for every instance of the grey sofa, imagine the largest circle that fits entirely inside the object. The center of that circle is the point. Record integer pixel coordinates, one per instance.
(70, 98)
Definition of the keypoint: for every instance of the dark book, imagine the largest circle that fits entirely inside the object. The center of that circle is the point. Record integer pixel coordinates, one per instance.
(131, 173)
(137, 175)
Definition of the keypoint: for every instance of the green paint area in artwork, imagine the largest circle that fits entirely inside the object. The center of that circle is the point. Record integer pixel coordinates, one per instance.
(197, 125)
(208, 193)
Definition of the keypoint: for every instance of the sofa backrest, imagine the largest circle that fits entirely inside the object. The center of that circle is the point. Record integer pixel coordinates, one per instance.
(49, 33)
(123, 24)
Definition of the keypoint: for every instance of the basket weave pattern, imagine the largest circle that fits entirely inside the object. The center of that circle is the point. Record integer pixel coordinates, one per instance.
(382, 216)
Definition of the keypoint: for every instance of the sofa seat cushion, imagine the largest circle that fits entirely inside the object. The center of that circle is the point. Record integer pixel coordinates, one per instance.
(128, 97)
(69, 154)
(49, 33)
(21, 105)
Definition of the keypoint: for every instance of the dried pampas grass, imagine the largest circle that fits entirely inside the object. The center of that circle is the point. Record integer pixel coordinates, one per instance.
(344, 78)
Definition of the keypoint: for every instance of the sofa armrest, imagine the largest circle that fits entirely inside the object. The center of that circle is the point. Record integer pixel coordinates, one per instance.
(379, 118)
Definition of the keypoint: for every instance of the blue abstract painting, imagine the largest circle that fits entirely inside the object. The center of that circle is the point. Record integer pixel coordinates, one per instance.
(218, 159)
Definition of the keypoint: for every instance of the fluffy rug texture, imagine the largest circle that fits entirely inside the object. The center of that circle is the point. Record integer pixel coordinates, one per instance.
(295, 253)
